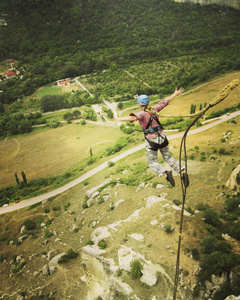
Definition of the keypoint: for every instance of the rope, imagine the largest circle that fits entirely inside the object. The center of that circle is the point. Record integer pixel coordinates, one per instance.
(220, 97)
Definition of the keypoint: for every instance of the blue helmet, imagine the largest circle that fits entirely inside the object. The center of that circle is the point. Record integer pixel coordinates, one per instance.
(143, 100)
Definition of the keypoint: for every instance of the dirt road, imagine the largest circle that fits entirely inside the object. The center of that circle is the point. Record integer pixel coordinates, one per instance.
(26, 203)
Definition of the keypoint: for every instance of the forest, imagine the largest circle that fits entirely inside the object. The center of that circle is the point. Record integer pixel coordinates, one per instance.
(52, 40)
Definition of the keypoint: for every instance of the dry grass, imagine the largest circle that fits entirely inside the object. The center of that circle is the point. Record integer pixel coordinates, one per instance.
(54, 151)
(202, 94)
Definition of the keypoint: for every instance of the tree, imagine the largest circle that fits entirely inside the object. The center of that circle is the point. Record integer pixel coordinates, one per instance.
(16, 178)
(25, 126)
(67, 116)
(120, 105)
(110, 114)
(76, 114)
(24, 177)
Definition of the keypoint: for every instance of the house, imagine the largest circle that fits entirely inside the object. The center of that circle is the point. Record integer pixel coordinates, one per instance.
(11, 63)
(10, 74)
(63, 82)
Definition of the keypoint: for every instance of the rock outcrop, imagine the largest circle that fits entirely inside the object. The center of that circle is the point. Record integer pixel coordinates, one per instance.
(233, 182)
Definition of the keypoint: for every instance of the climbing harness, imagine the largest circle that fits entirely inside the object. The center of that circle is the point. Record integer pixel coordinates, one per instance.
(154, 129)
(153, 116)
(220, 97)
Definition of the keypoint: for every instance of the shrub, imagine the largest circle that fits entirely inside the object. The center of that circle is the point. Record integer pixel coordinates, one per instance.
(46, 210)
(177, 202)
(216, 263)
(111, 164)
(168, 229)
(223, 151)
(100, 201)
(102, 244)
(211, 244)
(66, 206)
(70, 254)
(201, 206)
(84, 206)
(233, 229)
(29, 224)
(212, 217)
(136, 268)
(195, 254)
(56, 208)
(90, 242)
(48, 234)
(232, 204)
(202, 156)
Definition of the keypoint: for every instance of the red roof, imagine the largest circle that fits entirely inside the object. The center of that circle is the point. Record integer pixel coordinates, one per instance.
(10, 73)
(63, 82)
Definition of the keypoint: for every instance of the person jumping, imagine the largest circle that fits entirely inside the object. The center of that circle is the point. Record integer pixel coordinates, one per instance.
(155, 137)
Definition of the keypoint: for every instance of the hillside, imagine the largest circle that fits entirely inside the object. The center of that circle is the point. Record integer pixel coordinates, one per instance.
(131, 217)
(114, 234)
(52, 40)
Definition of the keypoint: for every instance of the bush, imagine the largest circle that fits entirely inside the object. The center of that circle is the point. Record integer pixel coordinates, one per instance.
(66, 206)
(195, 254)
(216, 263)
(101, 200)
(111, 164)
(232, 204)
(70, 254)
(84, 206)
(136, 268)
(223, 151)
(211, 217)
(233, 229)
(90, 242)
(102, 244)
(56, 208)
(201, 206)
(29, 224)
(168, 229)
(177, 202)
(211, 244)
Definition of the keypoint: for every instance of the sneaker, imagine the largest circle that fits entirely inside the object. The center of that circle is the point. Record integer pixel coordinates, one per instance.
(185, 179)
(170, 178)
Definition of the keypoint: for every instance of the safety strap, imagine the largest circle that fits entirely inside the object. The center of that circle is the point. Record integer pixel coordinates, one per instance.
(155, 128)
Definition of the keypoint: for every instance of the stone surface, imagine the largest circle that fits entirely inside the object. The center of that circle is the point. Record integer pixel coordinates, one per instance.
(232, 181)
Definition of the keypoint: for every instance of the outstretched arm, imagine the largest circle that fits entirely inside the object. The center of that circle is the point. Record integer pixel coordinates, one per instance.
(126, 119)
(176, 93)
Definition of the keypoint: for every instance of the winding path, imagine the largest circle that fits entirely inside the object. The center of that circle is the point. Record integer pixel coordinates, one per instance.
(26, 203)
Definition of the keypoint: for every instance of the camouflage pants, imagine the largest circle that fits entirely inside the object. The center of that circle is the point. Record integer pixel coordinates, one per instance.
(152, 159)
